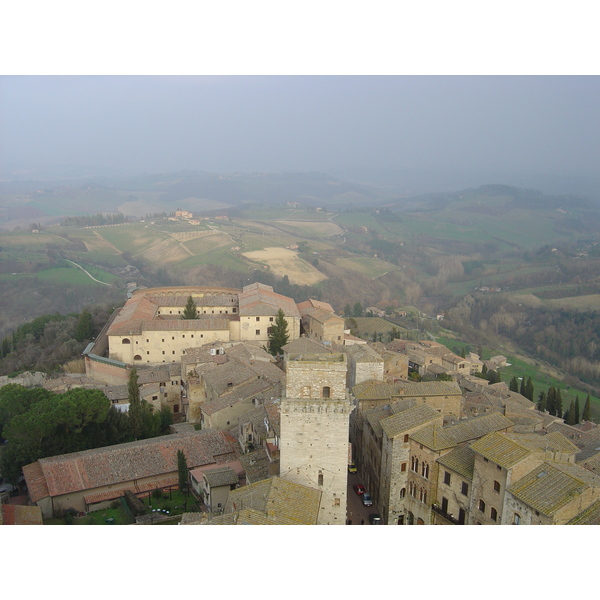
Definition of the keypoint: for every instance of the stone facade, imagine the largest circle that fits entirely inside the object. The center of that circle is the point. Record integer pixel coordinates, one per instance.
(314, 430)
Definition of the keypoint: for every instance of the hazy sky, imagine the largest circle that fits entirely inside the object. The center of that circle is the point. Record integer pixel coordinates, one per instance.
(492, 124)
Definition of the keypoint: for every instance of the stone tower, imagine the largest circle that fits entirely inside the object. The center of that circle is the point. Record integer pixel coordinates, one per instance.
(315, 416)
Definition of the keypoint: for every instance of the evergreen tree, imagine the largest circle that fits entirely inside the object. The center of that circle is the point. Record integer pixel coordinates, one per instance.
(551, 400)
(347, 310)
(358, 310)
(513, 386)
(463, 353)
(569, 416)
(278, 336)
(522, 387)
(85, 327)
(577, 414)
(484, 369)
(183, 475)
(587, 410)
(529, 391)
(541, 405)
(135, 404)
(191, 310)
(559, 403)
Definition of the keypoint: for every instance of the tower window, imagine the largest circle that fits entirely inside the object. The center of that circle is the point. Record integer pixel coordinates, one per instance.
(320, 477)
(326, 392)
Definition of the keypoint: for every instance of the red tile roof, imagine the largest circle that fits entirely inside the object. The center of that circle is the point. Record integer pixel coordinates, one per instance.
(123, 463)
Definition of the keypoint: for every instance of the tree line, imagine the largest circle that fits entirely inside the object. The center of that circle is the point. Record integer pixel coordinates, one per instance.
(37, 423)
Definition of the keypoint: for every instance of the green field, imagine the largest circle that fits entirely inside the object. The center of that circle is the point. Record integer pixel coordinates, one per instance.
(518, 367)
(74, 276)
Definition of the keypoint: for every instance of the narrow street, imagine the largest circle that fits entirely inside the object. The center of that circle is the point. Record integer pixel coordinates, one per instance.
(355, 511)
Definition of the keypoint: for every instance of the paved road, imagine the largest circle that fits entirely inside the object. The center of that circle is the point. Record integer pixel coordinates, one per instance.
(355, 509)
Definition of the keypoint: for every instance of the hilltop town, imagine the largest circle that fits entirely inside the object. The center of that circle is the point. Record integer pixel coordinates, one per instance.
(329, 423)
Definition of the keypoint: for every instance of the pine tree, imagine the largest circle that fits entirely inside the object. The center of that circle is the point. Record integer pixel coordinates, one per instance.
(278, 336)
(541, 405)
(587, 410)
(191, 310)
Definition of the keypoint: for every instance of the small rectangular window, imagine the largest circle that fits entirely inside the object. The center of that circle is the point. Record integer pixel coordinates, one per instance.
(446, 478)
(258, 318)
(496, 486)
(403, 467)
(464, 488)
(258, 332)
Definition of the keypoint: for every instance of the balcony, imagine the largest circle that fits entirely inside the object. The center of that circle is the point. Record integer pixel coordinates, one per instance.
(450, 518)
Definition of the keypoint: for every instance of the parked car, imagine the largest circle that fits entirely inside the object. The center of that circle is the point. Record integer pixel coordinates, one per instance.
(367, 500)
(375, 519)
(352, 468)
(359, 488)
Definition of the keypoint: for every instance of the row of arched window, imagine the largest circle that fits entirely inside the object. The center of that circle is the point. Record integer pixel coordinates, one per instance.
(415, 492)
(414, 466)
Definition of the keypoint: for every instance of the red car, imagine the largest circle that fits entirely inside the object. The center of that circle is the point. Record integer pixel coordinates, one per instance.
(359, 488)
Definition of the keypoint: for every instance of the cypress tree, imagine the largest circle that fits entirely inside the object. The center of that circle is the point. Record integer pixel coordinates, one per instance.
(577, 414)
(587, 410)
(541, 405)
(529, 391)
(135, 404)
(191, 310)
(551, 400)
(559, 403)
(513, 385)
(278, 336)
(183, 475)
(569, 416)
(522, 388)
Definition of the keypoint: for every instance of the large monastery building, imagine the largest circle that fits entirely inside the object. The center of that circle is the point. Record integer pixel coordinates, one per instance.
(149, 328)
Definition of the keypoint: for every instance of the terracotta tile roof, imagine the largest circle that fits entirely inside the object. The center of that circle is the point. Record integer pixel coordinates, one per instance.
(137, 488)
(14, 514)
(428, 388)
(259, 299)
(221, 476)
(277, 498)
(256, 465)
(478, 427)
(37, 485)
(461, 460)
(551, 486)
(312, 304)
(590, 516)
(122, 463)
(551, 442)
(373, 389)
(433, 437)
(322, 316)
(501, 450)
(422, 414)
(244, 391)
(304, 345)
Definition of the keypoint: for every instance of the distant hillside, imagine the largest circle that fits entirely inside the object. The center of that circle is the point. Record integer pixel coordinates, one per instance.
(22, 202)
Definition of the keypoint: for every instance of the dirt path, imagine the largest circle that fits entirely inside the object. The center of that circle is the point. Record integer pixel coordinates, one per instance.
(87, 273)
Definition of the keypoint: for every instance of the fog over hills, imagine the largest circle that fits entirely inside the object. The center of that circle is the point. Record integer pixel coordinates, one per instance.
(402, 134)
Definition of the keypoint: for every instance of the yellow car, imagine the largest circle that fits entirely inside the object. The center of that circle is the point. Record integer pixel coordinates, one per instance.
(352, 468)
